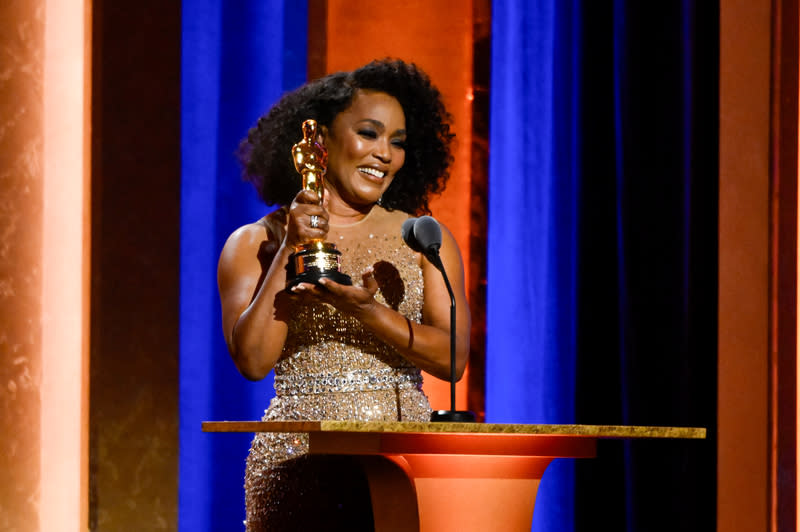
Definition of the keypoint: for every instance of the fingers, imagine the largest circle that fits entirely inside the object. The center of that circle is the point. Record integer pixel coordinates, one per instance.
(369, 281)
(307, 219)
(306, 290)
(310, 292)
(305, 205)
(332, 287)
(349, 299)
(318, 221)
(308, 197)
(327, 290)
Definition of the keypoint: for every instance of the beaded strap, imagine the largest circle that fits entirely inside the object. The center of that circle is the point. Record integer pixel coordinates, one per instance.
(360, 380)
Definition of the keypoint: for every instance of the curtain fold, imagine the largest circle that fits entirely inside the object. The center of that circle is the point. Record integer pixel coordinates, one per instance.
(238, 58)
(531, 259)
(601, 292)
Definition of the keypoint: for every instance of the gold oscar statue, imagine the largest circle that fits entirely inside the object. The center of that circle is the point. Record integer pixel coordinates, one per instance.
(317, 259)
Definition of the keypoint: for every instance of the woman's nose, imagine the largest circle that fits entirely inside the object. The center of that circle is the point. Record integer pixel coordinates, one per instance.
(383, 151)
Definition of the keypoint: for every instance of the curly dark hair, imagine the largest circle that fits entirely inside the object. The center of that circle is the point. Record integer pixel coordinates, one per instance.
(265, 154)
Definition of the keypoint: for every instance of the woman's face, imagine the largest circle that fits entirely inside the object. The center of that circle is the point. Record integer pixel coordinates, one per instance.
(366, 147)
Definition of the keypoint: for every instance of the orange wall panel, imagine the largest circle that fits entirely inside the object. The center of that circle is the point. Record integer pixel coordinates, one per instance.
(744, 149)
(437, 36)
(21, 189)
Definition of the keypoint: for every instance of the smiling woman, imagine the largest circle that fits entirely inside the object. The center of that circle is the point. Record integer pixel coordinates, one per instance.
(341, 352)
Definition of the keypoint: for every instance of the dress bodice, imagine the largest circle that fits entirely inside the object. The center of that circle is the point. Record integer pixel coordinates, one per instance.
(324, 344)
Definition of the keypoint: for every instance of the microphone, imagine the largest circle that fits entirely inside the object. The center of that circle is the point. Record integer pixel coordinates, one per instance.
(428, 234)
(408, 234)
(424, 235)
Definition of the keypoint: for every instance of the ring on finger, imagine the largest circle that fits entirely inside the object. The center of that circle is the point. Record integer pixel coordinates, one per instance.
(314, 221)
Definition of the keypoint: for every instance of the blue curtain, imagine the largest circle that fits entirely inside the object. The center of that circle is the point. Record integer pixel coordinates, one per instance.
(532, 245)
(238, 58)
(601, 282)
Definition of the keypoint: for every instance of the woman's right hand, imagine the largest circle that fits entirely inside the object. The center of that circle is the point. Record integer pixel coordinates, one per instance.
(299, 228)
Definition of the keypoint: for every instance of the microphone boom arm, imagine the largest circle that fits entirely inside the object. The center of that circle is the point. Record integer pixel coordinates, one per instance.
(451, 415)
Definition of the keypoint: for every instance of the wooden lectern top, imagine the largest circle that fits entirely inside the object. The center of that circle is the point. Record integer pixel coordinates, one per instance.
(589, 431)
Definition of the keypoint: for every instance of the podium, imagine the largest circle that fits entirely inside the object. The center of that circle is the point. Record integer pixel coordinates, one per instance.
(454, 476)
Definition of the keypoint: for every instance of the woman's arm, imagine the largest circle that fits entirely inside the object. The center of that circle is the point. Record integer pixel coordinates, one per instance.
(248, 294)
(251, 276)
(427, 344)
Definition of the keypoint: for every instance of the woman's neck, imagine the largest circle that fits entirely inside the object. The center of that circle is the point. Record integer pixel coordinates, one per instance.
(341, 212)
(348, 216)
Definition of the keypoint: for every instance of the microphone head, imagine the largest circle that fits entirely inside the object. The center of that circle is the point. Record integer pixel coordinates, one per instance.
(408, 234)
(428, 234)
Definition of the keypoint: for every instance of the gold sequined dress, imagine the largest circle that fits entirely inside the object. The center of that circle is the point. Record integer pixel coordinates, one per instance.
(332, 368)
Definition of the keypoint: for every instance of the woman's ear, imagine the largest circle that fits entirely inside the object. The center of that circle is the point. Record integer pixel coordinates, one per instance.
(322, 134)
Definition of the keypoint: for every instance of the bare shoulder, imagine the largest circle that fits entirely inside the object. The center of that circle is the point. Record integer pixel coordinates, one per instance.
(247, 247)
(448, 240)
(270, 228)
(248, 236)
(446, 233)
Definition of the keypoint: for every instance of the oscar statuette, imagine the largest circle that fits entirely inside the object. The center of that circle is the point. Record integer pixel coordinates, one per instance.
(314, 260)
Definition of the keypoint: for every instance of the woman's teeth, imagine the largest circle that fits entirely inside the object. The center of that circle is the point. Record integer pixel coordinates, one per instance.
(372, 171)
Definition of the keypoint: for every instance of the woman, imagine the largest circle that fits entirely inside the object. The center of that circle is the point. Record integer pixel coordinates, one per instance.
(341, 352)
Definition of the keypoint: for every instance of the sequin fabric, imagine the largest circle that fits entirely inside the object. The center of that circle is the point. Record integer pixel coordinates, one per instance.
(332, 368)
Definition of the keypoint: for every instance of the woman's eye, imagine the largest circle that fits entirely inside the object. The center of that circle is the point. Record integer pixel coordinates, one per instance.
(399, 144)
(368, 133)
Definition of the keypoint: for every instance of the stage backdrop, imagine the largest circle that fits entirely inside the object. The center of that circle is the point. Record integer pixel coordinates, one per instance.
(602, 243)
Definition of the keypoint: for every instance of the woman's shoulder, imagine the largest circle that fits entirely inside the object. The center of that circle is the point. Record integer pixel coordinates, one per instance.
(271, 227)
(275, 223)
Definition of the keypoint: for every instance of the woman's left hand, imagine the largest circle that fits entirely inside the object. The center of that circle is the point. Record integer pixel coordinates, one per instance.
(353, 300)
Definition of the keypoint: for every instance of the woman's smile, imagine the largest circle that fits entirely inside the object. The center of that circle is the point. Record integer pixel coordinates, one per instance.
(373, 172)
